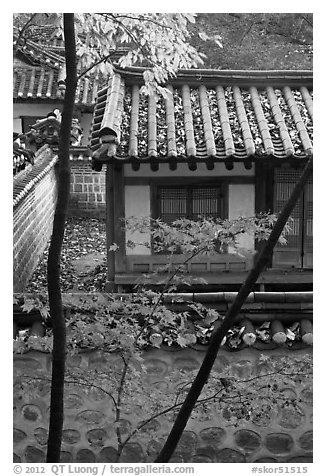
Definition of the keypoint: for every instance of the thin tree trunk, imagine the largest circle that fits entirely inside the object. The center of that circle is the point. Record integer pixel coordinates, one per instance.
(53, 269)
(217, 336)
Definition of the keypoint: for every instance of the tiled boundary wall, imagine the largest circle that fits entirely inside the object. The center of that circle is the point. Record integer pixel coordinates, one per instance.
(89, 433)
(87, 190)
(34, 200)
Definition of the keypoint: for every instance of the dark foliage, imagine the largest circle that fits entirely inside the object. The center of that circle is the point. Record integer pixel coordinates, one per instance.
(256, 40)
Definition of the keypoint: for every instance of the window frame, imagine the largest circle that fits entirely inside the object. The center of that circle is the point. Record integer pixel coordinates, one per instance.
(189, 185)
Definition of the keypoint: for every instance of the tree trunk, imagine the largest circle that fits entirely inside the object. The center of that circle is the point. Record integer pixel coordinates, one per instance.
(217, 336)
(53, 269)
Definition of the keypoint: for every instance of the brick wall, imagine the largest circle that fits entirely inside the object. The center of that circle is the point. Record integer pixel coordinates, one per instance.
(89, 435)
(87, 192)
(34, 203)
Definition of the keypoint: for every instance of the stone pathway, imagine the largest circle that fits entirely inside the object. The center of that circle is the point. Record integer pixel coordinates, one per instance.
(86, 265)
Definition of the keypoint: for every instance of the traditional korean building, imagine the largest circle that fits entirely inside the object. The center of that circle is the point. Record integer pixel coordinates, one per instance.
(221, 144)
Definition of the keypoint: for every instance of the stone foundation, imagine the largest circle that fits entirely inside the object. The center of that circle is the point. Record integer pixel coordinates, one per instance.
(89, 434)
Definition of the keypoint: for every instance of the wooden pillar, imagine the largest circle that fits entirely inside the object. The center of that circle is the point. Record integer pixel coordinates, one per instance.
(260, 199)
(264, 184)
(119, 211)
(110, 224)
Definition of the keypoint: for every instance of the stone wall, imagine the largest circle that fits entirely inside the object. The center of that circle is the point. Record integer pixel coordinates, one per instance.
(89, 434)
(87, 190)
(35, 192)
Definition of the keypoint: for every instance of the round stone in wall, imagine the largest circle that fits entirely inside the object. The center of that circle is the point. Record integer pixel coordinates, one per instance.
(288, 393)
(247, 440)
(73, 401)
(70, 436)
(279, 443)
(213, 436)
(96, 437)
(265, 459)
(34, 455)
(31, 413)
(65, 457)
(291, 417)
(156, 367)
(19, 435)
(301, 459)
(306, 395)
(124, 426)
(187, 445)
(306, 441)
(90, 416)
(155, 446)
(73, 360)
(161, 385)
(204, 454)
(132, 453)
(151, 426)
(85, 456)
(107, 455)
(199, 458)
(228, 455)
(41, 436)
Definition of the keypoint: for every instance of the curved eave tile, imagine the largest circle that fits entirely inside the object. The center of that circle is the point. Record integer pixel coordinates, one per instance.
(152, 127)
(225, 122)
(280, 122)
(134, 117)
(170, 123)
(207, 123)
(243, 120)
(291, 102)
(307, 100)
(261, 120)
(188, 123)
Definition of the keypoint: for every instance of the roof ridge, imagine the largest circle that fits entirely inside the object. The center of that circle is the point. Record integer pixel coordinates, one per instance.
(268, 73)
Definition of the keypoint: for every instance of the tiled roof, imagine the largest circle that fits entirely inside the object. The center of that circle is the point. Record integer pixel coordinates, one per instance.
(208, 114)
(24, 181)
(38, 52)
(41, 83)
(39, 67)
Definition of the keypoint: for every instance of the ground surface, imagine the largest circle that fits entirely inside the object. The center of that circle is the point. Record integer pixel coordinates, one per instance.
(83, 258)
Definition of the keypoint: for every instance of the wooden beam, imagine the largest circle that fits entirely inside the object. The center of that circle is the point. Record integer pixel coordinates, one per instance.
(275, 276)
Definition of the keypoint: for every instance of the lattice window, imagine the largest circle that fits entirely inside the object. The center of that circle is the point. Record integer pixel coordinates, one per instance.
(190, 202)
(193, 202)
(300, 238)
